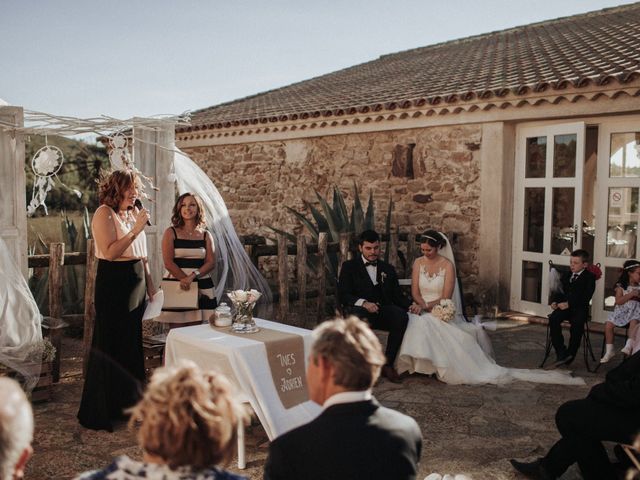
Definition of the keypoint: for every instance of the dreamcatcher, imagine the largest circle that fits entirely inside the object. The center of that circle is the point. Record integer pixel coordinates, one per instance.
(119, 153)
(46, 163)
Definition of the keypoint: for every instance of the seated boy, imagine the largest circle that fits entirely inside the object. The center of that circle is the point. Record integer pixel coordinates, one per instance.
(572, 305)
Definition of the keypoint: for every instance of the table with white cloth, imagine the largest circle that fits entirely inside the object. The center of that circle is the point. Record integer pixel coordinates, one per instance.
(244, 362)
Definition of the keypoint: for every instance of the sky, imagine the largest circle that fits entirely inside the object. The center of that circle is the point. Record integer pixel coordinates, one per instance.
(125, 58)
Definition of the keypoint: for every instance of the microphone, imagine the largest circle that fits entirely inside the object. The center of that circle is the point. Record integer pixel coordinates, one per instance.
(138, 204)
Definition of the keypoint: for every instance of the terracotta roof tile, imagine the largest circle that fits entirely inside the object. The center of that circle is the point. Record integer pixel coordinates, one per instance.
(557, 54)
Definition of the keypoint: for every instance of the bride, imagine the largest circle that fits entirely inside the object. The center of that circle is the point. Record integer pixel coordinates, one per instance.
(457, 352)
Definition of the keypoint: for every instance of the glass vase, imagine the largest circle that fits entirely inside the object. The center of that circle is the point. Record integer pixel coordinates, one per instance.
(243, 321)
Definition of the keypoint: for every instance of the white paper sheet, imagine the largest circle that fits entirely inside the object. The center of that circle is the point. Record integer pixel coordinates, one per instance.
(154, 308)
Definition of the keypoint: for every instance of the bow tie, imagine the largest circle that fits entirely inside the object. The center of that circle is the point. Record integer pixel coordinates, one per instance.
(371, 264)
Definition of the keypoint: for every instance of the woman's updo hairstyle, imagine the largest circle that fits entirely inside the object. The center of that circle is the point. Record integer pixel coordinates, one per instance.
(433, 238)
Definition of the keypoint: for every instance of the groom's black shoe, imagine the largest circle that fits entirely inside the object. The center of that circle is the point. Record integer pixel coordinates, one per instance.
(390, 374)
(532, 470)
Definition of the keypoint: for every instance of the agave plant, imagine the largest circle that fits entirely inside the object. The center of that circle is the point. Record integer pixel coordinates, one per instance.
(335, 220)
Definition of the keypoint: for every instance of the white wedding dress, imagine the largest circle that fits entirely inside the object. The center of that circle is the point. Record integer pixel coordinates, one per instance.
(453, 350)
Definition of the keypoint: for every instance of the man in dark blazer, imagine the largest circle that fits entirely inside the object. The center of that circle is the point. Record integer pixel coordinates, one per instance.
(368, 288)
(611, 412)
(572, 305)
(354, 437)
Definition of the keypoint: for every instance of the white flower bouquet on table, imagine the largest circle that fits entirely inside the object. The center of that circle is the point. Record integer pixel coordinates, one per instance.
(445, 310)
(243, 302)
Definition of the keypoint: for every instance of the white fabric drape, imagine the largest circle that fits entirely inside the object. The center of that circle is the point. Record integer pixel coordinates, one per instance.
(234, 269)
(476, 330)
(20, 320)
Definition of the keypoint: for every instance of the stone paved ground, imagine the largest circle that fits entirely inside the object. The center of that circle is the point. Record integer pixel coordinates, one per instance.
(467, 429)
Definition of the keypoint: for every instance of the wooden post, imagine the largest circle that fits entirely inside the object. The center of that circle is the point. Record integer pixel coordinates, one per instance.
(344, 250)
(301, 270)
(283, 278)
(251, 249)
(56, 263)
(322, 275)
(411, 253)
(393, 249)
(89, 305)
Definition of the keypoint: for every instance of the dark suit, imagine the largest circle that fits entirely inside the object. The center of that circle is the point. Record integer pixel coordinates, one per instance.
(611, 412)
(355, 283)
(578, 294)
(360, 440)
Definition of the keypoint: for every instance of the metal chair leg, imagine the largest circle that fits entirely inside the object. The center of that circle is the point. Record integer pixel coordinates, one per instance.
(588, 350)
(547, 348)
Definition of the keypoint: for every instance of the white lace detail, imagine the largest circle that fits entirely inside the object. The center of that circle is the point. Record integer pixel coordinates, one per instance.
(431, 285)
(423, 271)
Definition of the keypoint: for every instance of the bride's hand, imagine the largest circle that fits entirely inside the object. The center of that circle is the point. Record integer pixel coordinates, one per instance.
(415, 308)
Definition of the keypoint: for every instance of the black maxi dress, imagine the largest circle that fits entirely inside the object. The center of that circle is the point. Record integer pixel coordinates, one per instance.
(115, 372)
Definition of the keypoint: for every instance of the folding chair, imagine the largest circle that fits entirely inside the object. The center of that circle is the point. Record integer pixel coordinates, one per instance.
(586, 340)
(633, 454)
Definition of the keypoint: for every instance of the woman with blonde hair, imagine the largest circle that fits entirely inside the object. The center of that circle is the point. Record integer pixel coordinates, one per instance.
(115, 370)
(188, 423)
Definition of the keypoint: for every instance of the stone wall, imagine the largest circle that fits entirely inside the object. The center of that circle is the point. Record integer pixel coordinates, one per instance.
(432, 175)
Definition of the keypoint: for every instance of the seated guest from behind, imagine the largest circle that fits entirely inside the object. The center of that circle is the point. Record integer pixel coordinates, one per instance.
(368, 288)
(354, 437)
(572, 305)
(610, 412)
(187, 426)
(16, 429)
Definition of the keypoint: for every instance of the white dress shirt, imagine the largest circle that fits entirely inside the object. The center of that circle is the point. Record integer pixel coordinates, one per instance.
(373, 275)
(575, 276)
(347, 397)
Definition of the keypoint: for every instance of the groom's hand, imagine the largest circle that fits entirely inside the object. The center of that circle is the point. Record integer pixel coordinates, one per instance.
(370, 307)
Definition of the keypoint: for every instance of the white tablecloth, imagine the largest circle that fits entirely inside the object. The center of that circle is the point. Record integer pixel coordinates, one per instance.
(244, 362)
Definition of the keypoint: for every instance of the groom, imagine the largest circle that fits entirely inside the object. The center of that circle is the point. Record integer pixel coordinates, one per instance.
(369, 289)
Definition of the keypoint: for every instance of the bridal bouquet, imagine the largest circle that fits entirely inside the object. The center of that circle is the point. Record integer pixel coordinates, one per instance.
(244, 301)
(445, 310)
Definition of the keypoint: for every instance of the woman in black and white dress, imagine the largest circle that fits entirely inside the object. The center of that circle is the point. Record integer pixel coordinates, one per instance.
(188, 252)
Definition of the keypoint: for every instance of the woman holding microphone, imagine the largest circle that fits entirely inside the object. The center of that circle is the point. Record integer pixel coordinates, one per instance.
(115, 371)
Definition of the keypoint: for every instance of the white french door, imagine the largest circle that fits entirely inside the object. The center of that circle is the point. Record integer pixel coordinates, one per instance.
(547, 217)
(617, 208)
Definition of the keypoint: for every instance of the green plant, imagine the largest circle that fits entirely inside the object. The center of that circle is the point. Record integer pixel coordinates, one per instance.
(73, 286)
(335, 220)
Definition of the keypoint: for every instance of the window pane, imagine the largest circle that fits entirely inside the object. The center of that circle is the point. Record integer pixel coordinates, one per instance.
(533, 219)
(622, 222)
(562, 226)
(531, 281)
(564, 156)
(536, 157)
(625, 155)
